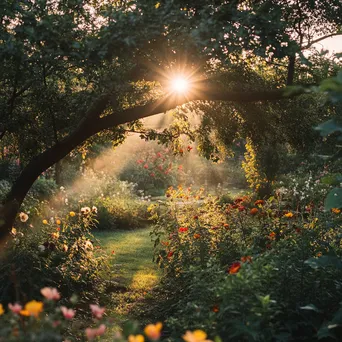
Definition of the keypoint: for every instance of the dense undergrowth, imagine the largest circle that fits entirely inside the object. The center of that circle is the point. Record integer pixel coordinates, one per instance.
(252, 269)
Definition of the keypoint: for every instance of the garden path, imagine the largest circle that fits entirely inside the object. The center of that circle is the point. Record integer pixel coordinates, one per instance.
(135, 277)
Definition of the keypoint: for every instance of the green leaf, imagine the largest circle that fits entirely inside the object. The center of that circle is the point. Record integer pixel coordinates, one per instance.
(333, 199)
(328, 127)
(325, 332)
(310, 307)
(324, 261)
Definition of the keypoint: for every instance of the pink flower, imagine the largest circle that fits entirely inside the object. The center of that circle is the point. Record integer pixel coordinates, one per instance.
(92, 333)
(15, 308)
(50, 293)
(146, 166)
(97, 311)
(68, 313)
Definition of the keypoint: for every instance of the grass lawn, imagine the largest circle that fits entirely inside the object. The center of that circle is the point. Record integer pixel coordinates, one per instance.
(133, 274)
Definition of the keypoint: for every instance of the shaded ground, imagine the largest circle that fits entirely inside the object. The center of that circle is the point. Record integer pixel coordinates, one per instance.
(134, 277)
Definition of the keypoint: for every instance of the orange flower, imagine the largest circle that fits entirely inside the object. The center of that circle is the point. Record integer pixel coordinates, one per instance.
(319, 254)
(153, 331)
(288, 215)
(226, 225)
(272, 236)
(259, 202)
(254, 211)
(234, 268)
(136, 338)
(215, 308)
(246, 258)
(32, 308)
(335, 210)
(195, 336)
(197, 236)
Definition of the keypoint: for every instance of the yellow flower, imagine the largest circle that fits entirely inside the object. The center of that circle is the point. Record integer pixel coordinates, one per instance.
(152, 331)
(336, 210)
(288, 215)
(136, 338)
(196, 336)
(32, 308)
(2, 311)
(72, 213)
(58, 221)
(45, 222)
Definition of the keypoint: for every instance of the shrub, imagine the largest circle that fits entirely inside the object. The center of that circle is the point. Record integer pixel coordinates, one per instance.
(59, 252)
(244, 271)
(5, 187)
(43, 188)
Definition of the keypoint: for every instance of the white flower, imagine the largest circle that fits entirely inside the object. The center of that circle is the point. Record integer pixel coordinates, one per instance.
(23, 217)
(85, 210)
(41, 248)
(89, 245)
(94, 209)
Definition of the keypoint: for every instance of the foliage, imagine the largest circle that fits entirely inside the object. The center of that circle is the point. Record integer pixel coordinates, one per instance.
(58, 252)
(241, 271)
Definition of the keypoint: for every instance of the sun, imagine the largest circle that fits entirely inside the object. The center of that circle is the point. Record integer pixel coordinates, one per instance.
(179, 84)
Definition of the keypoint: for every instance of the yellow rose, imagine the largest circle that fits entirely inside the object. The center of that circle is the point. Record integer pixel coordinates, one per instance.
(72, 213)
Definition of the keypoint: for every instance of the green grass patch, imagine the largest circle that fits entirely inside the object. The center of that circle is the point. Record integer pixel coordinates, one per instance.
(133, 275)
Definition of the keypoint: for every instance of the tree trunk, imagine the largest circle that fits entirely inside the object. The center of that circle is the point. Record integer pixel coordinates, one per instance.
(291, 70)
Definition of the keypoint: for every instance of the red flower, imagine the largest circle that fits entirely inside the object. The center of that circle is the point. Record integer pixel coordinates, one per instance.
(170, 254)
(152, 174)
(139, 161)
(235, 206)
(146, 166)
(189, 148)
(254, 211)
(246, 258)
(214, 228)
(195, 217)
(183, 229)
(234, 268)
(259, 202)
(159, 154)
(241, 208)
(238, 200)
(272, 236)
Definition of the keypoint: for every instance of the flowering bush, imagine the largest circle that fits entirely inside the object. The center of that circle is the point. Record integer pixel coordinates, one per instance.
(248, 270)
(46, 322)
(58, 252)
